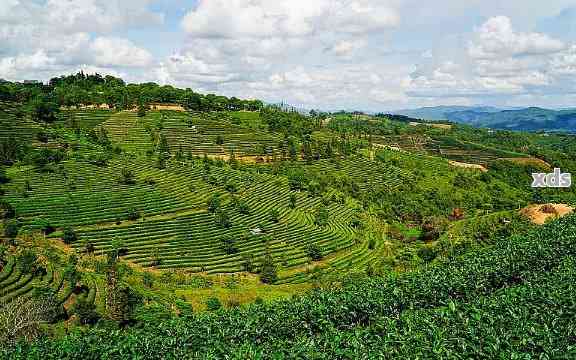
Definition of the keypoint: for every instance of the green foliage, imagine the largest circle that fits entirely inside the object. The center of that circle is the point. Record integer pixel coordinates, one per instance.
(69, 236)
(274, 215)
(293, 199)
(127, 176)
(133, 215)
(427, 253)
(214, 203)
(269, 271)
(26, 261)
(222, 219)
(321, 217)
(6, 210)
(85, 311)
(465, 303)
(11, 229)
(148, 280)
(228, 244)
(43, 108)
(141, 110)
(213, 304)
(314, 252)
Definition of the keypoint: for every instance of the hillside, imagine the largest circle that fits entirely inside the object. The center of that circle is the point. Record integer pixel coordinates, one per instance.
(491, 303)
(173, 224)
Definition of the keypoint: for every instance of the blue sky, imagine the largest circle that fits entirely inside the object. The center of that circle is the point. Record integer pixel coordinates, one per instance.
(376, 55)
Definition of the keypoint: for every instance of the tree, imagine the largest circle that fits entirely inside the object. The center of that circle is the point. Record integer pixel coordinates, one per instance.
(4, 179)
(163, 147)
(133, 215)
(293, 200)
(214, 203)
(222, 219)
(120, 300)
(6, 210)
(242, 207)
(148, 280)
(127, 176)
(321, 216)
(228, 244)
(141, 110)
(269, 272)
(26, 261)
(11, 229)
(274, 215)
(69, 236)
(44, 109)
(85, 311)
(248, 262)
(314, 252)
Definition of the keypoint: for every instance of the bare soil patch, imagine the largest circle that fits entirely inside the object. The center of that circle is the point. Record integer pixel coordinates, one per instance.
(539, 214)
(468, 166)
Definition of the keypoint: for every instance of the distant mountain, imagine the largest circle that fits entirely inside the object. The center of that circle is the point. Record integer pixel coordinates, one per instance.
(441, 112)
(527, 119)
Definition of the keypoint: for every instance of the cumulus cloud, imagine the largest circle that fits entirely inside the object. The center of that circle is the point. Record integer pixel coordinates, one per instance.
(119, 52)
(40, 39)
(496, 38)
(499, 61)
(287, 18)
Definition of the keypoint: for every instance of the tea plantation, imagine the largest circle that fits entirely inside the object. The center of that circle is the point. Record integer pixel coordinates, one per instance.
(227, 228)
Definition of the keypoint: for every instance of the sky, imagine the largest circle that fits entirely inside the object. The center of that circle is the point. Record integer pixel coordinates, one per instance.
(372, 55)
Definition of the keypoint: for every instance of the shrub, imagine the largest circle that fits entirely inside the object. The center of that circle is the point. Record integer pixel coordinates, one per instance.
(11, 229)
(427, 253)
(313, 251)
(228, 244)
(372, 243)
(6, 210)
(148, 280)
(127, 176)
(42, 137)
(26, 261)
(321, 216)
(222, 219)
(86, 311)
(3, 177)
(69, 236)
(214, 203)
(293, 200)
(269, 272)
(231, 186)
(213, 304)
(274, 215)
(133, 215)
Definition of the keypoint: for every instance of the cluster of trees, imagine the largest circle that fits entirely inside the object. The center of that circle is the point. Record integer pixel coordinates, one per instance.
(89, 89)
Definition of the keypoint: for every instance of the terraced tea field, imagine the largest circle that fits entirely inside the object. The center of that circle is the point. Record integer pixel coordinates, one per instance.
(14, 125)
(197, 133)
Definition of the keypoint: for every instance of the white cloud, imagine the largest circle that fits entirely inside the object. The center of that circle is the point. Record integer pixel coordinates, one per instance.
(496, 38)
(564, 64)
(347, 47)
(99, 15)
(119, 52)
(287, 18)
